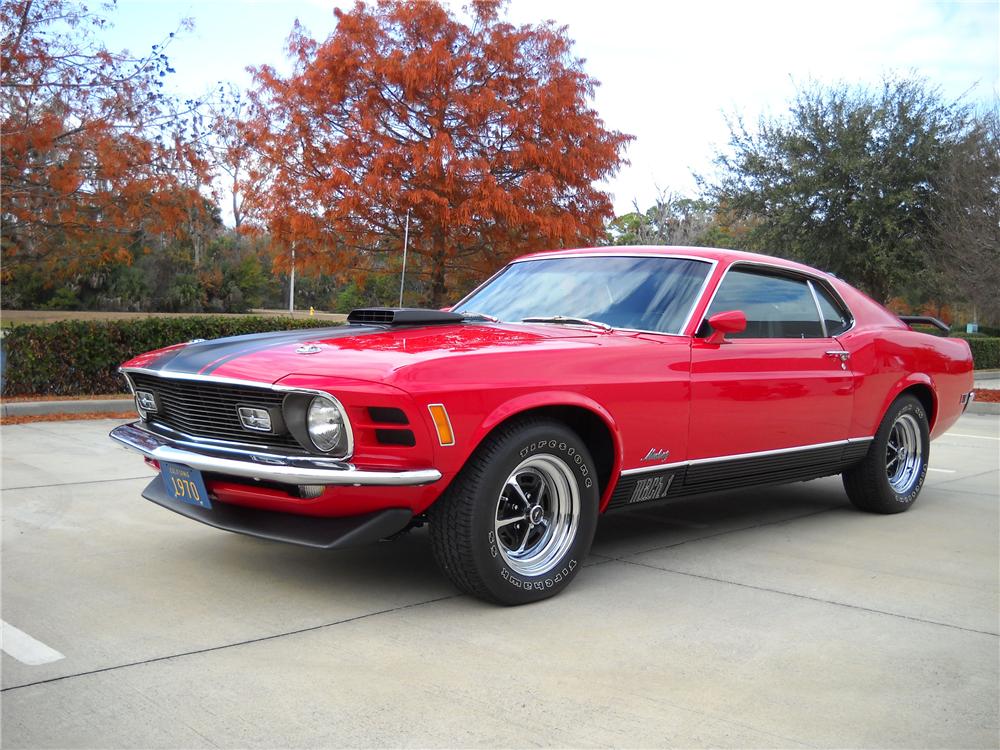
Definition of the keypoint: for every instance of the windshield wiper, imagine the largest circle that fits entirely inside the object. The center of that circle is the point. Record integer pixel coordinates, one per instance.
(566, 320)
(479, 316)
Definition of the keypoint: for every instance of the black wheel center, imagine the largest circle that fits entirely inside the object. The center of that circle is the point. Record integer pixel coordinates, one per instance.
(535, 514)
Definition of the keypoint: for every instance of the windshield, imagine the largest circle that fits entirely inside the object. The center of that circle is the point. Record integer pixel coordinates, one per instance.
(641, 293)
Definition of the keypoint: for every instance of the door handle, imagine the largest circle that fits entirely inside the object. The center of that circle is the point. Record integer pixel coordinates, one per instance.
(842, 355)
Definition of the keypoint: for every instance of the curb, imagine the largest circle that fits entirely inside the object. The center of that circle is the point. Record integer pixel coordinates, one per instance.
(76, 406)
(983, 407)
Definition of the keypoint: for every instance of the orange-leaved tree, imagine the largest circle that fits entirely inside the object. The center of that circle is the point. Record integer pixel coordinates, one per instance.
(94, 161)
(482, 130)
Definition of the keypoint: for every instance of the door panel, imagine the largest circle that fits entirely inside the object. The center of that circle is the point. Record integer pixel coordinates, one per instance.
(751, 395)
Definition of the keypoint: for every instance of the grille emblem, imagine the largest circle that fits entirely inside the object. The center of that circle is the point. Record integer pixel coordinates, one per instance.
(145, 400)
(255, 419)
(309, 349)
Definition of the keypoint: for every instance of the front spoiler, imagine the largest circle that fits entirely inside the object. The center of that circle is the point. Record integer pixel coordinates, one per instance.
(305, 531)
(276, 469)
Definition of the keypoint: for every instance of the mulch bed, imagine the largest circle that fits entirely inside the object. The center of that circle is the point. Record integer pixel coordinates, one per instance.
(68, 417)
(990, 395)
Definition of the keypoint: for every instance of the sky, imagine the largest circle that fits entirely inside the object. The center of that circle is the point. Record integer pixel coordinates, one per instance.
(671, 73)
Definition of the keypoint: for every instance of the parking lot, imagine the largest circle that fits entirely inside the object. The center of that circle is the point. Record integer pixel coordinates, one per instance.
(774, 617)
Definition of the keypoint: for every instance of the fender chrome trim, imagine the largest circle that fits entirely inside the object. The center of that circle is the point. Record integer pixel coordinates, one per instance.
(266, 466)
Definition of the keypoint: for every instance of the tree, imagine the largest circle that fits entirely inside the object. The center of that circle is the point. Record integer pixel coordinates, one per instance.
(482, 130)
(671, 220)
(849, 180)
(966, 219)
(238, 164)
(95, 160)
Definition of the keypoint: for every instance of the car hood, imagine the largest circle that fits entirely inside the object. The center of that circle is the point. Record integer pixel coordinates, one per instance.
(371, 353)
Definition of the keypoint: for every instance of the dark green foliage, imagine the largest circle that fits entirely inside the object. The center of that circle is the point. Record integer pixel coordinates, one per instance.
(672, 220)
(985, 351)
(857, 182)
(76, 357)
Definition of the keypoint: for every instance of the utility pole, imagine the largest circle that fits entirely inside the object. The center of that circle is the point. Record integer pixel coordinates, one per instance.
(406, 241)
(291, 286)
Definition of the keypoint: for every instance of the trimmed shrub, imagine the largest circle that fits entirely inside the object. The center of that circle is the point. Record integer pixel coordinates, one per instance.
(80, 357)
(985, 351)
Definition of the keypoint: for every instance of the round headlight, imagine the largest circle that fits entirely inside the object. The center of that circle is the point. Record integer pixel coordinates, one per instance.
(325, 424)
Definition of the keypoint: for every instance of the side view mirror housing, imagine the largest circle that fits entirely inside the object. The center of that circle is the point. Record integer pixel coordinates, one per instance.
(731, 321)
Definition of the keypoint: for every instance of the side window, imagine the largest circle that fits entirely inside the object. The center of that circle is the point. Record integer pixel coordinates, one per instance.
(777, 307)
(836, 318)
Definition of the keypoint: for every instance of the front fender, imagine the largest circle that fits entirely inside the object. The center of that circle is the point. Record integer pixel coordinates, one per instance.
(528, 402)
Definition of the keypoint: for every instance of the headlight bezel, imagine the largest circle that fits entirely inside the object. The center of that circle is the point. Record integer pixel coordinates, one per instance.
(295, 410)
(323, 411)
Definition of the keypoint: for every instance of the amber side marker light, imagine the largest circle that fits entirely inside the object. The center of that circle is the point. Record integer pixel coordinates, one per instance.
(442, 424)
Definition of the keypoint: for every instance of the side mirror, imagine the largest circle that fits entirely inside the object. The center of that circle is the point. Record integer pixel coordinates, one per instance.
(731, 321)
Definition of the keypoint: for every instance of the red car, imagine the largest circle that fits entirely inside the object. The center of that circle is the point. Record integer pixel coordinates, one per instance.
(569, 384)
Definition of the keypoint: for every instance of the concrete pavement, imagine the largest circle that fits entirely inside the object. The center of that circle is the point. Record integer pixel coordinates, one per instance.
(772, 617)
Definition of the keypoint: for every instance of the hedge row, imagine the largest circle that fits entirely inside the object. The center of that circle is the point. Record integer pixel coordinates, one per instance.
(78, 357)
(985, 351)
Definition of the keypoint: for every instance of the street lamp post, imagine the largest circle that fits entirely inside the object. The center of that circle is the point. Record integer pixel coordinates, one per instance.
(406, 241)
(291, 285)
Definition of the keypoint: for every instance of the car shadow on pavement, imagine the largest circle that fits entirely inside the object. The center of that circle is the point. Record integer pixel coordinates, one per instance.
(659, 525)
(406, 562)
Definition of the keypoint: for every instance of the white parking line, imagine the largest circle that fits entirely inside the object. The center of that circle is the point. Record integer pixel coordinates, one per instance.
(980, 437)
(943, 471)
(24, 648)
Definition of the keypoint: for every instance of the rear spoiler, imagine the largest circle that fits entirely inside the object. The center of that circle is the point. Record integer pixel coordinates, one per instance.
(926, 320)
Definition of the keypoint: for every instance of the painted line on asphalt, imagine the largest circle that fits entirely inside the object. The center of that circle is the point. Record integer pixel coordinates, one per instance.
(71, 484)
(225, 646)
(977, 437)
(24, 648)
(944, 471)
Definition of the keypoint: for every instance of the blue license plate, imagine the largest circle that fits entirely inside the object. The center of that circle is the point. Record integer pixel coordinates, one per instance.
(185, 484)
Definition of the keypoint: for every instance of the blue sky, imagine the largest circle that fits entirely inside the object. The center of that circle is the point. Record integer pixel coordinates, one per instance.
(670, 72)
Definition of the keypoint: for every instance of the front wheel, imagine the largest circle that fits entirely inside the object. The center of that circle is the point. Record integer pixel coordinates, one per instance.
(518, 521)
(891, 475)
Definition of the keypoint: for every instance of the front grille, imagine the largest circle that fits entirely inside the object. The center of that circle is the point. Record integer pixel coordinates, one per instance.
(208, 410)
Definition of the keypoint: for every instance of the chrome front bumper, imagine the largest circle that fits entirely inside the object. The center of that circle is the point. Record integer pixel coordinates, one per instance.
(288, 470)
(966, 399)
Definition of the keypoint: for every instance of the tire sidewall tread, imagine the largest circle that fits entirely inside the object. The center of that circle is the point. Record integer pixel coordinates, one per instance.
(866, 483)
(462, 530)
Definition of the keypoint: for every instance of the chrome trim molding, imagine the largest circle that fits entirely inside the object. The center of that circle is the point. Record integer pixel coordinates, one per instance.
(140, 440)
(738, 456)
(819, 310)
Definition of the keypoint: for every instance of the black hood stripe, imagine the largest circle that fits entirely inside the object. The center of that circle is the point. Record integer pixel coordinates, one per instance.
(205, 357)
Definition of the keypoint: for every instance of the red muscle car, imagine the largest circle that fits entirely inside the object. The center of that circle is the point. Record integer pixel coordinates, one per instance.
(569, 384)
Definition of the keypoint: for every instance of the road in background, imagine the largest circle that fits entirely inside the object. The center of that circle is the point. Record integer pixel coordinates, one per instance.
(776, 616)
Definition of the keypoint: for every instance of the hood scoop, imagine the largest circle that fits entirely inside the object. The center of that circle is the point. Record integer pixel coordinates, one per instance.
(401, 316)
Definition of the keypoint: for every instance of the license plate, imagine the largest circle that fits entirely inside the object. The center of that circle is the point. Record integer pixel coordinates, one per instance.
(185, 484)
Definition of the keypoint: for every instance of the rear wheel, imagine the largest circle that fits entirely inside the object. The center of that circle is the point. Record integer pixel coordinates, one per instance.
(518, 521)
(892, 474)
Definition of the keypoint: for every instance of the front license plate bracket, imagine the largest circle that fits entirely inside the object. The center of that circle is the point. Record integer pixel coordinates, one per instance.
(185, 484)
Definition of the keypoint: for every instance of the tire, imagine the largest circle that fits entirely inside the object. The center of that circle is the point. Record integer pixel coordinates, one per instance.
(891, 475)
(517, 522)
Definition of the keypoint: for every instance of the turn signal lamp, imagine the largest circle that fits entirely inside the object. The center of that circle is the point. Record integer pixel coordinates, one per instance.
(442, 424)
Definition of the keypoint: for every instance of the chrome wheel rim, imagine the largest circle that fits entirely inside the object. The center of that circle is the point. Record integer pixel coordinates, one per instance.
(904, 454)
(537, 514)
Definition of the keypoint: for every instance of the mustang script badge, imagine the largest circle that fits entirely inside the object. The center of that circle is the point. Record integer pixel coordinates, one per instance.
(656, 454)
